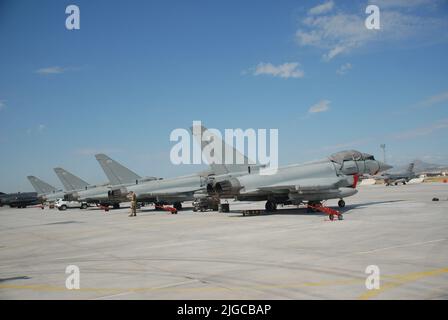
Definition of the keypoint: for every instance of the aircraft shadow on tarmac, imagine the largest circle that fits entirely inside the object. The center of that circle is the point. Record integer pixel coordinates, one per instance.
(151, 209)
(280, 211)
(15, 278)
(304, 211)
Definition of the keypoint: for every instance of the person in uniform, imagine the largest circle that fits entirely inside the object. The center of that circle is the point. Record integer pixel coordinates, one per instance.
(133, 198)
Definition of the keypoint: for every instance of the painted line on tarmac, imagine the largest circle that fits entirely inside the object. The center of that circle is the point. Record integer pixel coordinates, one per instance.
(113, 295)
(402, 246)
(392, 281)
(400, 280)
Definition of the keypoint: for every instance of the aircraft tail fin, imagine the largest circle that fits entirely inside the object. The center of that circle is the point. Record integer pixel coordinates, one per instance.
(410, 168)
(40, 186)
(69, 180)
(218, 169)
(116, 172)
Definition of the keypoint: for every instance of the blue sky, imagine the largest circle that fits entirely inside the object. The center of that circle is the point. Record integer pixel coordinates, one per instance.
(136, 70)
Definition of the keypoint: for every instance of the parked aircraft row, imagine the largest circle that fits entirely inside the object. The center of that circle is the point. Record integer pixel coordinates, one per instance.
(335, 177)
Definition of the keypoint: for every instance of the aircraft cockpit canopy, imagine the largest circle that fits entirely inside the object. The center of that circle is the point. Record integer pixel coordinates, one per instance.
(348, 155)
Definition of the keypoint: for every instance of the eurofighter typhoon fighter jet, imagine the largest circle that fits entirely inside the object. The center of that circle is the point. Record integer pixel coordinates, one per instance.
(332, 178)
(70, 181)
(48, 193)
(45, 191)
(163, 191)
(179, 189)
(119, 177)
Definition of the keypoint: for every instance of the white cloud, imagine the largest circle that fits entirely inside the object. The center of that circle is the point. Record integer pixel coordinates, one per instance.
(436, 99)
(321, 106)
(342, 32)
(344, 68)
(422, 131)
(285, 70)
(38, 129)
(322, 8)
(51, 70)
(2, 105)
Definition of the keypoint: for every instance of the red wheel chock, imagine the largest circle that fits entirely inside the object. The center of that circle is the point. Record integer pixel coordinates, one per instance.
(331, 212)
(170, 209)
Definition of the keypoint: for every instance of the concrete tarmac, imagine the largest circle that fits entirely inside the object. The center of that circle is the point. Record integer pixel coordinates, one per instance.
(291, 254)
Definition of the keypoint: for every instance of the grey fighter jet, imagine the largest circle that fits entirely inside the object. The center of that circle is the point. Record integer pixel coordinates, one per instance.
(70, 181)
(396, 178)
(185, 188)
(332, 178)
(163, 191)
(48, 193)
(119, 177)
(45, 191)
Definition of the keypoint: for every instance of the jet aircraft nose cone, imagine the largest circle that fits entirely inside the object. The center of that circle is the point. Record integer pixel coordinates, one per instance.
(383, 166)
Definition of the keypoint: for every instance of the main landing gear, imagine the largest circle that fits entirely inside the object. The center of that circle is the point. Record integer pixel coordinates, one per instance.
(270, 206)
(177, 206)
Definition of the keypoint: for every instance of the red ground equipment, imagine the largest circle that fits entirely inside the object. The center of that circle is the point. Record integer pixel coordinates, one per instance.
(170, 209)
(331, 212)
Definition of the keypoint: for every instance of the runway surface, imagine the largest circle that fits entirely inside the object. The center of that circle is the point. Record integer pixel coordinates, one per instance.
(291, 254)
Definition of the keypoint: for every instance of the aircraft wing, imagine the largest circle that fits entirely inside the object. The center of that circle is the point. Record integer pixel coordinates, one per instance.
(173, 191)
(300, 186)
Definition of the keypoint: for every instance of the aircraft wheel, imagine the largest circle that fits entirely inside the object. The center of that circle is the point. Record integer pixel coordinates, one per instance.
(340, 217)
(341, 203)
(224, 207)
(331, 216)
(177, 206)
(270, 206)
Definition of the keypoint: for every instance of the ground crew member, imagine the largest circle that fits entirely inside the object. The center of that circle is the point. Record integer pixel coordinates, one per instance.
(133, 198)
